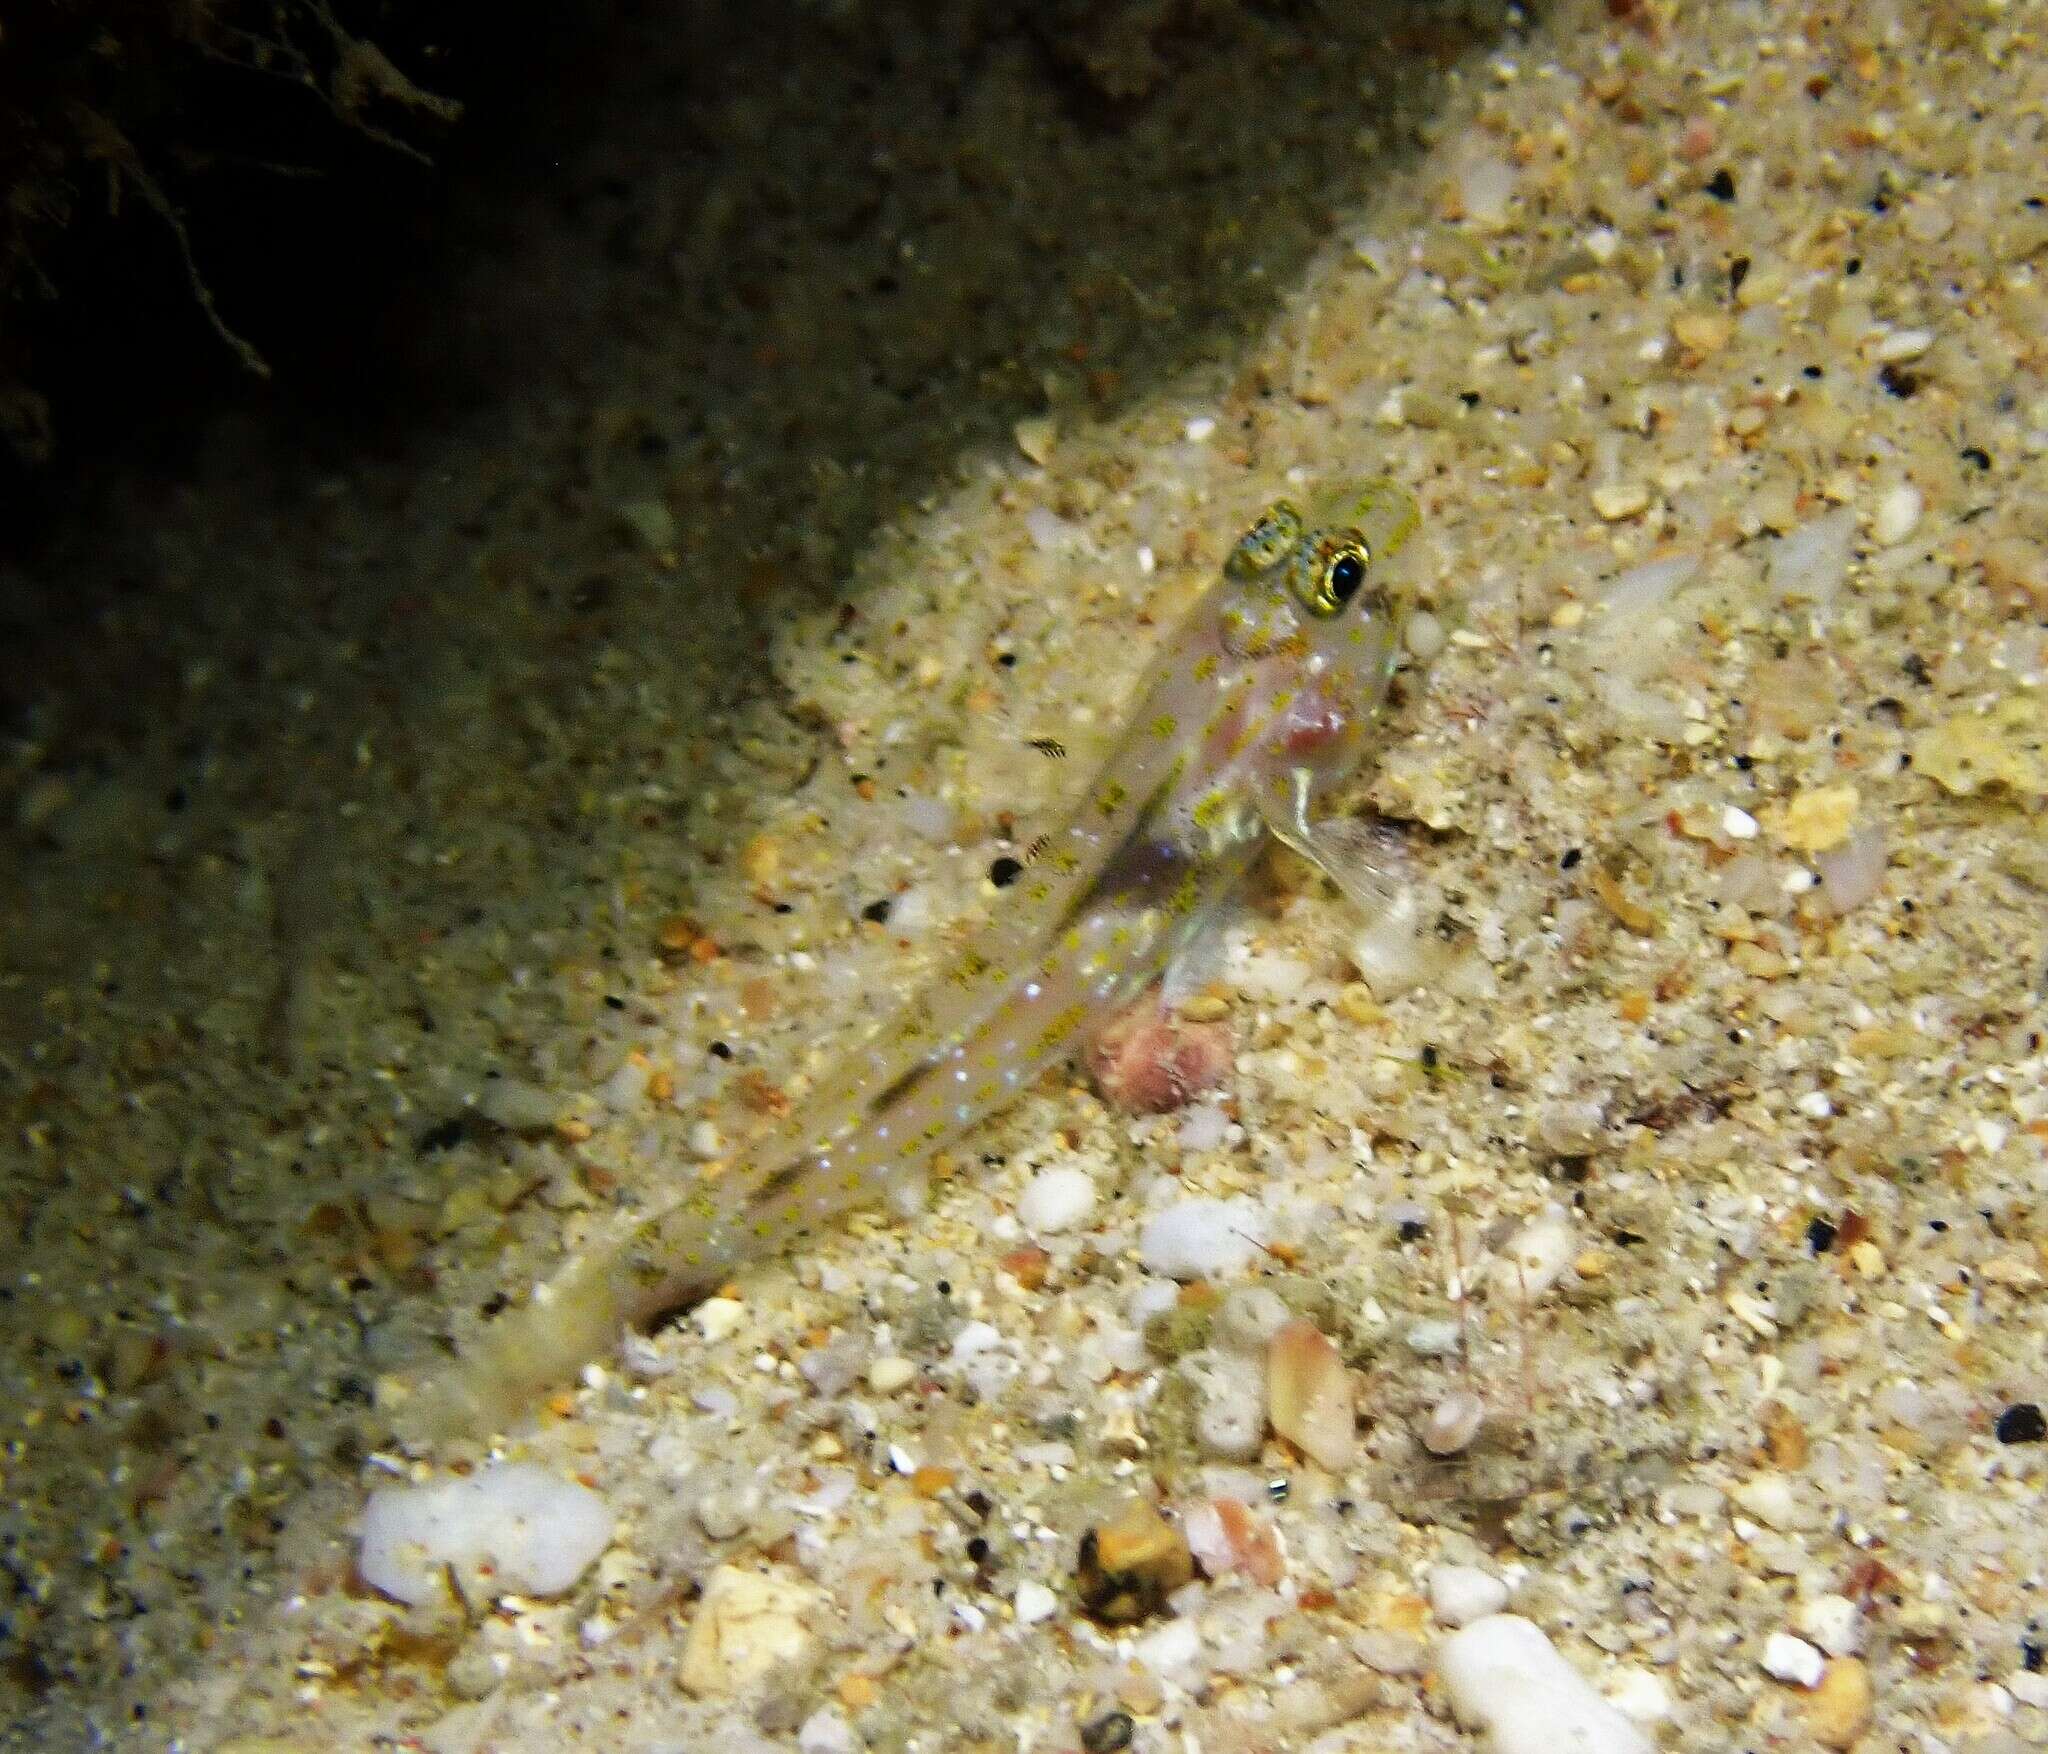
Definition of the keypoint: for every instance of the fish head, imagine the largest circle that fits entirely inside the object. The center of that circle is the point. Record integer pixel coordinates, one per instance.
(1311, 606)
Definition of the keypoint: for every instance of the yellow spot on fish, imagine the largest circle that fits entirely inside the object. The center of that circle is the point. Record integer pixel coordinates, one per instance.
(1112, 797)
(1061, 1027)
(1205, 667)
(1247, 734)
(1165, 725)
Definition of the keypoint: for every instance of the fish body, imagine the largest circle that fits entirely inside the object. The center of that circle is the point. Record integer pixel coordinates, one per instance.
(1261, 702)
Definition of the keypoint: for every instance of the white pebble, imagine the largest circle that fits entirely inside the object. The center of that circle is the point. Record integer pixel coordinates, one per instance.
(747, 1626)
(2027, 1687)
(1035, 1603)
(517, 1106)
(1397, 950)
(1171, 1650)
(1927, 220)
(1250, 1317)
(1641, 1695)
(1036, 436)
(537, 1532)
(1268, 977)
(642, 1358)
(1451, 1426)
(1461, 1594)
(705, 1144)
(1812, 560)
(1230, 1403)
(718, 1317)
(1435, 1337)
(1793, 1660)
(627, 1087)
(1833, 1622)
(1616, 500)
(887, 1375)
(1738, 824)
(1202, 1239)
(973, 1339)
(1150, 1297)
(1506, 1678)
(1203, 1127)
(723, 1514)
(1047, 529)
(1207, 1538)
(1898, 514)
(1486, 185)
(1693, 1498)
(825, 1732)
(910, 914)
(1903, 344)
(1201, 429)
(1571, 1129)
(1775, 1500)
(1424, 635)
(715, 1399)
(1535, 1257)
(1056, 1200)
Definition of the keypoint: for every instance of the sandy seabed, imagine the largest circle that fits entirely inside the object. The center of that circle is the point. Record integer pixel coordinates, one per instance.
(446, 848)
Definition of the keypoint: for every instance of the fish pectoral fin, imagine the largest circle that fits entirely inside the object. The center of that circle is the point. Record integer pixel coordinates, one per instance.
(1199, 960)
(1344, 849)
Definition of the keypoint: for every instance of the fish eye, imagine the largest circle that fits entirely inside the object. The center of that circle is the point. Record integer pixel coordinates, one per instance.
(1334, 574)
(1346, 574)
(1266, 543)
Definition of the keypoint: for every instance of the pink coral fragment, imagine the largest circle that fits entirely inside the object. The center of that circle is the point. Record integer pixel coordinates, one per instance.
(1226, 1536)
(1146, 1061)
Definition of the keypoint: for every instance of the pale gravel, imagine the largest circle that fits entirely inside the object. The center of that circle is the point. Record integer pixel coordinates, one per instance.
(1737, 1397)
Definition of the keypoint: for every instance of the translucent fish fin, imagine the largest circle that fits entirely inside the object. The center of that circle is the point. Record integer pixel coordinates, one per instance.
(1200, 959)
(1344, 849)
